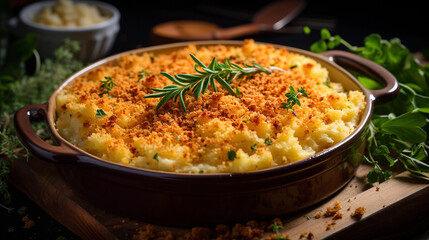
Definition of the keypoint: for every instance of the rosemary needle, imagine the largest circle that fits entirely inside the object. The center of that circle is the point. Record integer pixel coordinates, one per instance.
(223, 73)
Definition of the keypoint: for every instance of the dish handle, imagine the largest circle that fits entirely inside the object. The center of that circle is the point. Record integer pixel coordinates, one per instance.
(369, 68)
(60, 153)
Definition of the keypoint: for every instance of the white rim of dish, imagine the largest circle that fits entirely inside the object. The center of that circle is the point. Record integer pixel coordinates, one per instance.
(35, 7)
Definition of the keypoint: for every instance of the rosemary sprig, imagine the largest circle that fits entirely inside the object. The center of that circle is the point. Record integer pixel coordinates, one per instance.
(223, 73)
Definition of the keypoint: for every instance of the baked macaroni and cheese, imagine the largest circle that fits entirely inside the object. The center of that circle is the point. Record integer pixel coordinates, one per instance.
(65, 13)
(286, 113)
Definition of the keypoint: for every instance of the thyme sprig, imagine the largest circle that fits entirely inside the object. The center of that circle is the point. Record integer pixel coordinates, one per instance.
(292, 98)
(223, 73)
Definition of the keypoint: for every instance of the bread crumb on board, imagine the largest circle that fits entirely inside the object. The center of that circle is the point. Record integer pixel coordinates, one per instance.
(306, 235)
(358, 213)
(28, 223)
(252, 230)
(331, 211)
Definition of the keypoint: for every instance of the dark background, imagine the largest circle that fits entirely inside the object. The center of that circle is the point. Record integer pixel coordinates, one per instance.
(353, 21)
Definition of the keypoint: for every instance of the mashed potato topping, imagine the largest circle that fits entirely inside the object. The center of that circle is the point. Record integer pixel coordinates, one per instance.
(64, 13)
(220, 132)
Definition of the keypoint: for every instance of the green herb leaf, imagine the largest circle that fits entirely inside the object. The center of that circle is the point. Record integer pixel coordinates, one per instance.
(107, 85)
(292, 98)
(407, 127)
(319, 46)
(156, 157)
(231, 155)
(276, 227)
(306, 30)
(421, 103)
(268, 141)
(143, 73)
(100, 113)
(378, 175)
(369, 83)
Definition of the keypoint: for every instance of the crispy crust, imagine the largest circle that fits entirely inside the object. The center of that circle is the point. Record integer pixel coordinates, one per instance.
(133, 130)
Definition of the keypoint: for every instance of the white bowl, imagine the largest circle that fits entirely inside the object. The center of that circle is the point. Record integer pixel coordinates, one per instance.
(95, 40)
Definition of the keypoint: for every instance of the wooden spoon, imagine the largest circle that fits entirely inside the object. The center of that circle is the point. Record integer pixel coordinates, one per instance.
(271, 18)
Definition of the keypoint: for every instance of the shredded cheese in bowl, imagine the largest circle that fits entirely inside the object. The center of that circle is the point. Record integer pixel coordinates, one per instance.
(220, 132)
(65, 13)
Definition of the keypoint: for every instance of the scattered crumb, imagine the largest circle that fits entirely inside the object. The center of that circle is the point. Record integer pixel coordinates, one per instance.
(348, 209)
(337, 216)
(356, 186)
(384, 205)
(358, 213)
(331, 211)
(252, 230)
(351, 185)
(348, 200)
(318, 215)
(274, 237)
(28, 223)
(328, 227)
(377, 188)
(308, 236)
(148, 232)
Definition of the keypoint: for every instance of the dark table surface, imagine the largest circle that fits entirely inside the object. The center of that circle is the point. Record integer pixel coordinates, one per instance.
(352, 20)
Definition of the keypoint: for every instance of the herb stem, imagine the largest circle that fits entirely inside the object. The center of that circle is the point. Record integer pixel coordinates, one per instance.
(222, 73)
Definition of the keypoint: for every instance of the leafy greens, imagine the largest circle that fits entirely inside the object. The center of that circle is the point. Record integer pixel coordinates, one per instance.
(398, 131)
(19, 89)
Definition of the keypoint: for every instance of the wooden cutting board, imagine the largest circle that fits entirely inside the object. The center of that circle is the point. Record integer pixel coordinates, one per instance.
(394, 209)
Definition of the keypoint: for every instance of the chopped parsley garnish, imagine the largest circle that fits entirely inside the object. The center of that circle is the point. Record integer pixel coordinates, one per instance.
(231, 155)
(100, 113)
(156, 157)
(143, 73)
(107, 85)
(327, 82)
(293, 66)
(253, 147)
(268, 141)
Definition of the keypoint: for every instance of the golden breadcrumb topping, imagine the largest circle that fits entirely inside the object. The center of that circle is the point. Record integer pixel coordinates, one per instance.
(254, 125)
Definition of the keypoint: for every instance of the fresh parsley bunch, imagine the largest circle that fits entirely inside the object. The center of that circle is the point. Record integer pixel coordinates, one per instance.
(398, 131)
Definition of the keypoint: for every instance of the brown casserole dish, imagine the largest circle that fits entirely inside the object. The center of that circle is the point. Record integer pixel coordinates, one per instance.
(182, 199)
